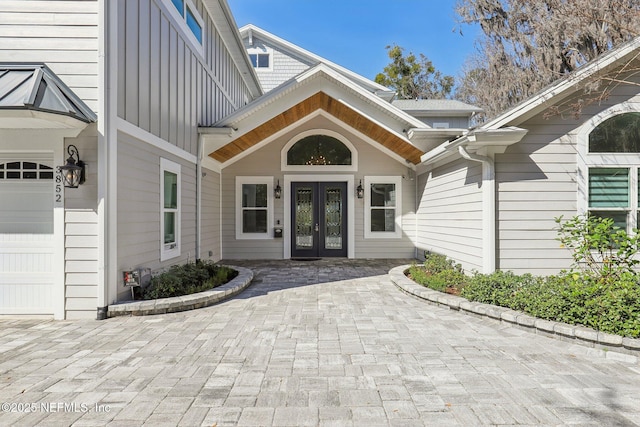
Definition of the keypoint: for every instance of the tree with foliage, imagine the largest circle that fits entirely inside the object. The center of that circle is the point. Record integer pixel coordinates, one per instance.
(414, 77)
(527, 44)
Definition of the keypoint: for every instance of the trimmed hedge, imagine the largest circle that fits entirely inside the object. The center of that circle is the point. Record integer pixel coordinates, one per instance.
(571, 297)
(188, 279)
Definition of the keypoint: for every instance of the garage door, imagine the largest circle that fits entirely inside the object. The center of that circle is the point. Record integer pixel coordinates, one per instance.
(26, 235)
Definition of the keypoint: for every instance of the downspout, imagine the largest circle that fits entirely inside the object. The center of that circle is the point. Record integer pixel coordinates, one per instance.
(103, 142)
(488, 209)
(199, 197)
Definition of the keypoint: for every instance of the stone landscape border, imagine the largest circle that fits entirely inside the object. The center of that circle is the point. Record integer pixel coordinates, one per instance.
(185, 302)
(563, 331)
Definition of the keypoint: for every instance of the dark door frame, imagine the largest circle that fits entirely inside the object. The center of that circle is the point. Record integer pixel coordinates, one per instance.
(318, 249)
(352, 202)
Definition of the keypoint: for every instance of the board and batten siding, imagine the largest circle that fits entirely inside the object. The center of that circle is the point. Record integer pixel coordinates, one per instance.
(266, 162)
(167, 85)
(449, 217)
(284, 66)
(61, 33)
(139, 236)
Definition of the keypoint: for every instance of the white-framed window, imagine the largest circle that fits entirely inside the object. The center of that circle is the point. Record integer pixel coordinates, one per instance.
(382, 207)
(261, 58)
(187, 14)
(170, 209)
(254, 207)
(612, 170)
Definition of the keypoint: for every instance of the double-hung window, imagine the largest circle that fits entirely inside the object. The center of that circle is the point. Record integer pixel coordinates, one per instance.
(613, 170)
(254, 207)
(383, 204)
(169, 209)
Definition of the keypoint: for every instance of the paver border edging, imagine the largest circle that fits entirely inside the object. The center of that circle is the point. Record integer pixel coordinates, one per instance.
(185, 302)
(563, 331)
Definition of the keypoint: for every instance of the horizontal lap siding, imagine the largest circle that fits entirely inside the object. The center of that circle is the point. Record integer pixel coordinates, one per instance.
(167, 86)
(62, 34)
(536, 182)
(81, 233)
(450, 213)
(139, 237)
(210, 219)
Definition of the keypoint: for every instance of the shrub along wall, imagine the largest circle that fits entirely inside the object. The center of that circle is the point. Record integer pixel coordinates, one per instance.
(601, 290)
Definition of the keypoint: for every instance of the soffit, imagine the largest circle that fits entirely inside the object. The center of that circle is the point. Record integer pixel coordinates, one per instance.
(339, 110)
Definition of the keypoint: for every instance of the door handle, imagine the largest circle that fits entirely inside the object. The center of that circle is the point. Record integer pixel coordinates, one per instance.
(317, 228)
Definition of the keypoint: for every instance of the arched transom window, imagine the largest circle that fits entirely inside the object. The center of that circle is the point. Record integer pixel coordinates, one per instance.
(613, 170)
(618, 134)
(319, 150)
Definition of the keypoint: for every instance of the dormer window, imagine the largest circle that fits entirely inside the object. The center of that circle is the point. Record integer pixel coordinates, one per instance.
(261, 58)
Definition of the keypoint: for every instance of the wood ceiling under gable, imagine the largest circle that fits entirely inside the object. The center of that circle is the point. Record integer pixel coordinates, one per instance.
(337, 109)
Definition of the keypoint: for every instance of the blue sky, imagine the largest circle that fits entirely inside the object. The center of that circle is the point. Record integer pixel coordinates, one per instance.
(354, 33)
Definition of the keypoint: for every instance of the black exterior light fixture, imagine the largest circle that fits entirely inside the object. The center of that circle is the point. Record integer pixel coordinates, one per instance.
(360, 191)
(277, 192)
(73, 171)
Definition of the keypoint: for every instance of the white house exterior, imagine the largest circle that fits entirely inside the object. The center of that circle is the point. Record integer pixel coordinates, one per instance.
(152, 71)
(205, 141)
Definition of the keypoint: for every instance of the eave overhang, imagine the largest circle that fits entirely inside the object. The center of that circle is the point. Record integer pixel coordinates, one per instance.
(387, 138)
(496, 139)
(228, 29)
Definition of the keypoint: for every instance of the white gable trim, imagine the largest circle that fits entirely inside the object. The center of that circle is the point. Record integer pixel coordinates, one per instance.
(563, 88)
(320, 78)
(305, 119)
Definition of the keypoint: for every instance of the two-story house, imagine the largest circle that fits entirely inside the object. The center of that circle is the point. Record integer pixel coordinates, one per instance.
(199, 140)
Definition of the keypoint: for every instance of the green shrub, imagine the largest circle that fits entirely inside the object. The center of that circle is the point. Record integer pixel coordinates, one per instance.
(500, 288)
(187, 279)
(598, 247)
(438, 273)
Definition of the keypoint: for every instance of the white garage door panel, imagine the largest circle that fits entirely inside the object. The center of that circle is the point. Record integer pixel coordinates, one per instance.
(26, 274)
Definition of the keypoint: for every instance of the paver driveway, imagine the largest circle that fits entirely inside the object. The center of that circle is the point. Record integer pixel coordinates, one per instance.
(315, 343)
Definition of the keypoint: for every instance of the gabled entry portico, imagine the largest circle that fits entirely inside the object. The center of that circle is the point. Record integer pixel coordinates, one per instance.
(305, 153)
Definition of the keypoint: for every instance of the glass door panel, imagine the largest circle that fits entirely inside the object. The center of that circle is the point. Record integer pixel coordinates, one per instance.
(333, 218)
(318, 219)
(304, 217)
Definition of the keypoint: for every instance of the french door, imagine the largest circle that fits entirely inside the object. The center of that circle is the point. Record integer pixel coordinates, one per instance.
(319, 219)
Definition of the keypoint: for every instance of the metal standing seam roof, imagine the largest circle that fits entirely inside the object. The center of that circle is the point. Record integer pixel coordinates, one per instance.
(33, 86)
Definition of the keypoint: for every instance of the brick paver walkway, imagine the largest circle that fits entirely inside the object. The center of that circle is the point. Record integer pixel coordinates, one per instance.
(309, 343)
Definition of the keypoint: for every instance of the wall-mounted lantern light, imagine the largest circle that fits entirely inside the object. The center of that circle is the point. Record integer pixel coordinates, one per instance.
(360, 191)
(278, 190)
(73, 171)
